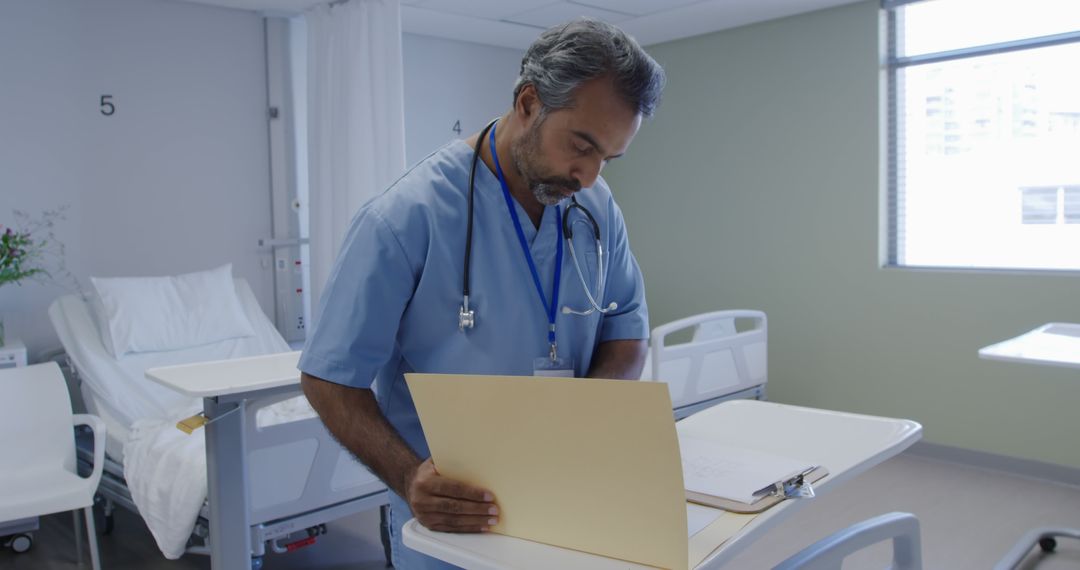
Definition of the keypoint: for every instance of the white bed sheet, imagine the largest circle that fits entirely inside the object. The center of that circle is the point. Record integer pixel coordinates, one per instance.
(165, 469)
(121, 382)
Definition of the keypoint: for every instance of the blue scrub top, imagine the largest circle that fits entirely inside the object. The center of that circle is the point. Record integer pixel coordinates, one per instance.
(391, 304)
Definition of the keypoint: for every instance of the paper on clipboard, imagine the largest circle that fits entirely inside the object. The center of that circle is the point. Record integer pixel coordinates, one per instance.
(591, 465)
(739, 474)
(741, 480)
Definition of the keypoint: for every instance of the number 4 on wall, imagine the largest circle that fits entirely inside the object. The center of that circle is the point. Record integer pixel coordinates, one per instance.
(457, 127)
(107, 106)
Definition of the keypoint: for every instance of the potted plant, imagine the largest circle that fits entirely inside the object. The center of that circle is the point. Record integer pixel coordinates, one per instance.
(27, 249)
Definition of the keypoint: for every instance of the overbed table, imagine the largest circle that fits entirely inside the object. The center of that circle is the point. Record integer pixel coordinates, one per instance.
(1052, 344)
(846, 444)
(239, 527)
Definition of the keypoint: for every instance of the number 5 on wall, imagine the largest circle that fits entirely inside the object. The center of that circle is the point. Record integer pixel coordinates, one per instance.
(107, 107)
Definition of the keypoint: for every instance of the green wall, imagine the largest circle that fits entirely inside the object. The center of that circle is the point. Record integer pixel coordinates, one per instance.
(757, 185)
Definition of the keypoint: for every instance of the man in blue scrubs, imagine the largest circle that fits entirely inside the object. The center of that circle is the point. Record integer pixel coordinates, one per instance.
(394, 298)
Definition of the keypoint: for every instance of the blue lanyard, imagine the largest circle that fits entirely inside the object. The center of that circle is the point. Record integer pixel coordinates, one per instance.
(528, 255)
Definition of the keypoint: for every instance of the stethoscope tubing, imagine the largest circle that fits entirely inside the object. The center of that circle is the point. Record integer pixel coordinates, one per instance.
(467, 316)
(469, 224)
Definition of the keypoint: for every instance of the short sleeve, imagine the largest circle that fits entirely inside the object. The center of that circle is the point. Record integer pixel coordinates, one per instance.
(625, 286)
(367, 292)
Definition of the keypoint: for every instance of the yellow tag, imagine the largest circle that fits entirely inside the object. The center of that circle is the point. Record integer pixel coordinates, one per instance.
(189, 425)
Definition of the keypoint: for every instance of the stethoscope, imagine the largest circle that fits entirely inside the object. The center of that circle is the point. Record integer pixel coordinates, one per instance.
(467, 315)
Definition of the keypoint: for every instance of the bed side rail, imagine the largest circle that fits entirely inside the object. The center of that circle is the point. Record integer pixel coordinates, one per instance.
(297, 466)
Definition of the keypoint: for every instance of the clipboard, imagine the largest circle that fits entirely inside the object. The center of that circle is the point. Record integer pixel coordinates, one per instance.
(797, 486)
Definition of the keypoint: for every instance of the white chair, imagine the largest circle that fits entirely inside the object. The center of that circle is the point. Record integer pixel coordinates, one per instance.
(829, 553)
(718, 363)
(37, 467)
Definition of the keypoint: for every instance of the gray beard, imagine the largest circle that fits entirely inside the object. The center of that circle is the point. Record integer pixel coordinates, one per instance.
(547, 194)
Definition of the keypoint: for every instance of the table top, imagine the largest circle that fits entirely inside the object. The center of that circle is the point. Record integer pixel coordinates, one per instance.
(234, 376)
(846, 444)
(1052, 344)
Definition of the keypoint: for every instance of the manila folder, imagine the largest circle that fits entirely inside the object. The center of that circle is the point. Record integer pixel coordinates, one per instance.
(591, 465)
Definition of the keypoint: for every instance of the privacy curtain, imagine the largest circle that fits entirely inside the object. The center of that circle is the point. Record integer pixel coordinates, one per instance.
(356, 123)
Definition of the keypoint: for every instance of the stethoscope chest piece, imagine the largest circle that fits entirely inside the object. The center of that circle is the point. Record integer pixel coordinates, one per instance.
(466, 316)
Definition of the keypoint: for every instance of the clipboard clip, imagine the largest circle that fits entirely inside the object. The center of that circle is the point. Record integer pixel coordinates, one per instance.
(794, 487)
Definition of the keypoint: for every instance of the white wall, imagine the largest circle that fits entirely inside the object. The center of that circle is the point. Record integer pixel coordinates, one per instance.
(448, 81)
(176, 180)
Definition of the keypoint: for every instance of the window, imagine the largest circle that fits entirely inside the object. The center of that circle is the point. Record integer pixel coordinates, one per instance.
(984, 133)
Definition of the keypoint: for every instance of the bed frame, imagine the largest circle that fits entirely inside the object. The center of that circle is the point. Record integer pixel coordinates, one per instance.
(271, 488)
(719, 363)
(277, 485)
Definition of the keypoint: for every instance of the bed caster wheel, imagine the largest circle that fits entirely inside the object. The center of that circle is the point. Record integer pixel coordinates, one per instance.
(21, 543)
(1047, 544)
(256, 562)
(103, 517)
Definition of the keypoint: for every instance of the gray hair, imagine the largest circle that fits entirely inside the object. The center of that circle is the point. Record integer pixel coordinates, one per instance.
(567, 55)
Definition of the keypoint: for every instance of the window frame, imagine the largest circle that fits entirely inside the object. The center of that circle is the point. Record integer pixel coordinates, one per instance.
(893, 65)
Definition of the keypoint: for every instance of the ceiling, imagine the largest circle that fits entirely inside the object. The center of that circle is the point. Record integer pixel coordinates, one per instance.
(515, 23)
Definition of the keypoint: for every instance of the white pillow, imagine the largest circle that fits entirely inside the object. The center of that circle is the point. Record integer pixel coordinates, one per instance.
(147, 314)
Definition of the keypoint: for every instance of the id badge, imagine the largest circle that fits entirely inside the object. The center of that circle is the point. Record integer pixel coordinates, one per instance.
(557, 368)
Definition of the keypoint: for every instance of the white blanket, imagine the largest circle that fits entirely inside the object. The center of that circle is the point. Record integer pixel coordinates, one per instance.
(166, 470)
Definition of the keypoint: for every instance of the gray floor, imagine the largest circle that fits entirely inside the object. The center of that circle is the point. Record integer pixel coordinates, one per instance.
(969, 518)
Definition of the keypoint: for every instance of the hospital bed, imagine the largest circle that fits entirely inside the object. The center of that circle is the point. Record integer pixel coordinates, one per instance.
(724, 359)
(297, 476)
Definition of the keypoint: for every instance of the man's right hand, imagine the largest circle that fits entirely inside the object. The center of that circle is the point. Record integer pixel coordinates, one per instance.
(446, 505)
(439, 503)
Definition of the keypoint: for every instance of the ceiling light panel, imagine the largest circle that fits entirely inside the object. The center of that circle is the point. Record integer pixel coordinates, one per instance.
(637, 7)
(417, 20)
(560, 12)
(486, 9)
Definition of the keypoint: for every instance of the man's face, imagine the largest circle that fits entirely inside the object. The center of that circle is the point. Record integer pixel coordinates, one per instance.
(563, 151)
